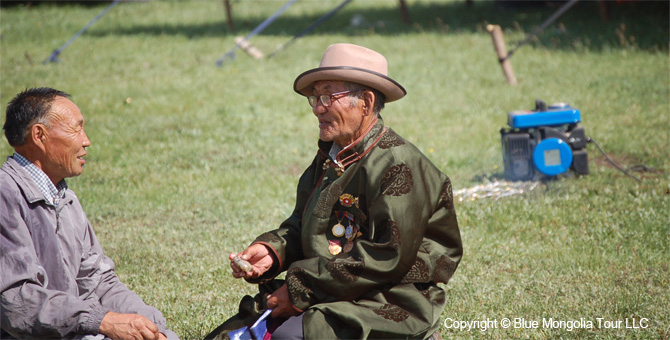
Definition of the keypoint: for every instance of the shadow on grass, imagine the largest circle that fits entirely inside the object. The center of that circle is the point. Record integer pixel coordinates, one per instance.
(639, 24)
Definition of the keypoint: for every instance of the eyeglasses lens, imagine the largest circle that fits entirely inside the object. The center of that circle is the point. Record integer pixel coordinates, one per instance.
(325, 100)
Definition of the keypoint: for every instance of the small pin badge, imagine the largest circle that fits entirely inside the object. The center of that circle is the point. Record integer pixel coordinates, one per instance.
(348, 200)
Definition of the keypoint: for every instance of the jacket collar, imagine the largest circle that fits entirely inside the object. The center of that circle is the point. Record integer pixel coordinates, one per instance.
(355, 151)
(30, 190)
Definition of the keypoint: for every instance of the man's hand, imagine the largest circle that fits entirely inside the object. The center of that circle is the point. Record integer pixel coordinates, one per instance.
(129, 327)
(280, 301)
(258, 256)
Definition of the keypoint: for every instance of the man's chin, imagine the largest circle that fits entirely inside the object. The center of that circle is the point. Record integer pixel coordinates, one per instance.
(326, 137)
(77, 172)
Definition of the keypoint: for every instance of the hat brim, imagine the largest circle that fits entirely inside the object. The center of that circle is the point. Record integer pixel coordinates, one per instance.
(389, 87)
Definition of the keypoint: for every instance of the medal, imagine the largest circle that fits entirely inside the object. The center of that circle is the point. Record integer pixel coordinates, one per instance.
(347, 200)
(338, 230)
(351, 233)
(334, 247)
(348, 246)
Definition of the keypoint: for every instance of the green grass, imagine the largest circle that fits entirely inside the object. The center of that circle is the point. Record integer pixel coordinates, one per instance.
(190, 161)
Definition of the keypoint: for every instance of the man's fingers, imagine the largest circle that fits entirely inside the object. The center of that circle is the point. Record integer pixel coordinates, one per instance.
(128, 327)
(152, 327)
(144, 329)
(148, 330)
(148, 335)
(237, 273)
(135, 334)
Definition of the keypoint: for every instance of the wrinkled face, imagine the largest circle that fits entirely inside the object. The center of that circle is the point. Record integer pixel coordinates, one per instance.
(65, 141)
(340, 122)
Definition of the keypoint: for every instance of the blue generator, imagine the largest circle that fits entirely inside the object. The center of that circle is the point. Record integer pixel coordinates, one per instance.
(547, 141)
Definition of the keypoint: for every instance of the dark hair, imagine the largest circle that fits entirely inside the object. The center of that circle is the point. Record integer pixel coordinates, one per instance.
(27, 108)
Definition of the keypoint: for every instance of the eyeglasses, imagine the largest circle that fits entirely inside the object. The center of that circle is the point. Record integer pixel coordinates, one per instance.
(327, 99)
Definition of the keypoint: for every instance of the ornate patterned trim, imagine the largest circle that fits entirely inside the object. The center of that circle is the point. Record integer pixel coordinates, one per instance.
(395, 235)
(418, 272)
(390, 139)
(345, 270)
(397, 180)
(327, 199)
(376, 129)
(446, 196)
(444, 269)
(295, 282)
(392, 312)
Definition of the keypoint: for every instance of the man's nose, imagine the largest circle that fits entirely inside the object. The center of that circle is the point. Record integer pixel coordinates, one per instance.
(319, 109)
(86, 142)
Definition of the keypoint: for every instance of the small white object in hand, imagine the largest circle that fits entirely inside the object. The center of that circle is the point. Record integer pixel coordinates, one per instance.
(242, 264)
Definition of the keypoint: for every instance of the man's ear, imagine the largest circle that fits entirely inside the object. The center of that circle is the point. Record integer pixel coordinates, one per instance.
(38, 135)
(368, 102)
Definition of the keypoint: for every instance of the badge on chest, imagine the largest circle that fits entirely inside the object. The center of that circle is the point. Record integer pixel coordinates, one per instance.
(349, 232)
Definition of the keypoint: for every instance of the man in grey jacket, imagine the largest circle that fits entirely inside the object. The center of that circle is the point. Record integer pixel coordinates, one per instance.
(56, 281)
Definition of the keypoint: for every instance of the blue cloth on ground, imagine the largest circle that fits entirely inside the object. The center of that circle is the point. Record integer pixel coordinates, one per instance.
(256, 331)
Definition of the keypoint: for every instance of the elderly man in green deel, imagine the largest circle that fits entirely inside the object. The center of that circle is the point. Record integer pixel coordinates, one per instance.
(374, 229)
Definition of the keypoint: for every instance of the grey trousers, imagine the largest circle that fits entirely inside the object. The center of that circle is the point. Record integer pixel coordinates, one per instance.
(291, 329)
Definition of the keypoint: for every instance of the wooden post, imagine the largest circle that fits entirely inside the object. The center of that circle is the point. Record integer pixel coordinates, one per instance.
(404, 12)
(249, 48)
(499, 44)
(604, 10)
(229, 15)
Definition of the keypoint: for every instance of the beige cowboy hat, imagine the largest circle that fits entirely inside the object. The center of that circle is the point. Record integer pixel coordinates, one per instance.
(355, 64)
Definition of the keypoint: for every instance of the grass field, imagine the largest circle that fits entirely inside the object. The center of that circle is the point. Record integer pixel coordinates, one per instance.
(191, 161)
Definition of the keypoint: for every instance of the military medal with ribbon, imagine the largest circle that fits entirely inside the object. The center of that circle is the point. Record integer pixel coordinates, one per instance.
(351, 233)
(338, 229)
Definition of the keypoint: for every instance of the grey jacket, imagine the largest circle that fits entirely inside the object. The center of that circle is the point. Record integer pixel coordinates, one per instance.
(55, 280)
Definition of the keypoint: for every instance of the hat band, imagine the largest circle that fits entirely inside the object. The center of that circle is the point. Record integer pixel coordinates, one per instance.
(351, 68)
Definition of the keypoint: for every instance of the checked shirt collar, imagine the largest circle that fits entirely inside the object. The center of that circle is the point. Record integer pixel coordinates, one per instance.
(52, 193)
